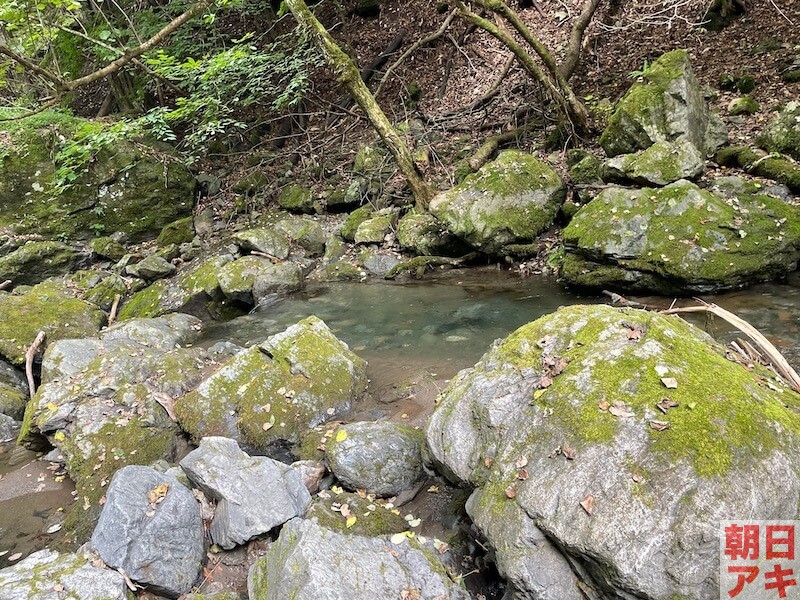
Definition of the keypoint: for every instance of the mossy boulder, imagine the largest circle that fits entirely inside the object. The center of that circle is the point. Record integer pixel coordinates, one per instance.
(660, 164)
(104, 292)
(190, 291)
(509, 200)
(266, 240)
(381, 458)
(252, 278)
(680, 239)
(353, 221)
(108, 248)
(297, 198)
(178, 232)
(13, 391)
(782, 134)
(127, 187)
(369, 160)
(151, 268)
(47, 307)
(268, 395)
(667, 104)
(309, 561)
(744, 105)
(104, 404)
(421, 233)
(305, 232)
(373, 519)
(373, 230)
(343, 271)
(579, 406)
(36, 261)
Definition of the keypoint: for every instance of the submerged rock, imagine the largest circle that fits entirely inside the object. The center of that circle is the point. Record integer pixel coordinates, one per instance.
(380, 458)
(680, 238)
(573, 408)
(151, 528)
(666, 105)
(782, 134)
(272, 393)
(38, 576)
(254, 494)
(309, 562)
(510, 200)
(47, 307)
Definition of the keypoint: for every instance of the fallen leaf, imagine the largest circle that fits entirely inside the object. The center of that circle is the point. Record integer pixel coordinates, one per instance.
(267, 426)
(637, 478)
(15, 557)
(58, 588)
(659, 425)
(511, 491)
(350, 522)
(670, 383)
(398, 538)
(341, 435)
(410, 594)
(691, 405)
(158, 493)
(666, 404)
(545, 381)
(345, 510)
(434, 489)
(415, 522)
(661, 370)
(588, 504)
(603, 405)
(54, 528)
(522, 474)
(521, 462)
(568, 451)
(538, 394)
(621, 412)
(487, 462)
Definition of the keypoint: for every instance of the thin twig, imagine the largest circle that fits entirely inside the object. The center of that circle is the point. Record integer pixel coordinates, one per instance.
(29, 361)
(114, 307)
(5, 284)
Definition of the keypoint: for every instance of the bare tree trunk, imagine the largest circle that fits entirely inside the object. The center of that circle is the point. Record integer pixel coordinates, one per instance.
(348, 75)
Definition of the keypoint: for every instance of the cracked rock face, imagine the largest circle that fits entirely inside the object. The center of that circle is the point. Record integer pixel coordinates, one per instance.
(254, 494)
(151, 528)
(582, 480)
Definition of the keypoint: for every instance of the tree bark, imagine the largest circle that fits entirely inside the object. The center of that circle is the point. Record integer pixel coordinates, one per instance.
(348, 75)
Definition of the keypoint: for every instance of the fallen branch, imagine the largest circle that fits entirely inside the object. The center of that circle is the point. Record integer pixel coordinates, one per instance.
(765, 165)
(765, 347)
(114, 307)
(5, 284)
(29, 355)
(492, 144)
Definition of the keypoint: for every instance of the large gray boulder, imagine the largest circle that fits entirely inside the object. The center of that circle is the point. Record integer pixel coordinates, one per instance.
(380, 458)
(624, 437)
(107, 402)
(263, 239)
(680, 239)
(254, 494)
(151, 268)
(667, 104)
(510, 200)
(49, 575)
(270, 394)
(309, 562)
(151, 528)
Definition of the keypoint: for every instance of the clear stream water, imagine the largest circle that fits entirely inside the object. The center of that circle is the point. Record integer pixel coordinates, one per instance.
(436, 326)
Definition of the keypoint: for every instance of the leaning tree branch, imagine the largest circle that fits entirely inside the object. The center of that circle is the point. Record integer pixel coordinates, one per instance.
(348, 75)
(574, 111)
(32, 66)
(574, 47)
(136, 52)
(414, 47)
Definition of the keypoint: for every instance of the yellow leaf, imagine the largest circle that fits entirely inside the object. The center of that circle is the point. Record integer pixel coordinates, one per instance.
(350, 522)
(538, 394)
(52, 406)
(341, 435)
(398, 538)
